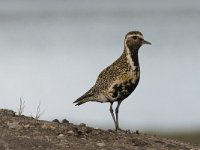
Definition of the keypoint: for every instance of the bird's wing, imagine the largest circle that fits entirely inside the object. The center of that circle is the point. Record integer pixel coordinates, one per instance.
(111, 74)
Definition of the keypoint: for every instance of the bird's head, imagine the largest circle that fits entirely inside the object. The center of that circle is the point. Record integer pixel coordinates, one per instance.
(134, 39)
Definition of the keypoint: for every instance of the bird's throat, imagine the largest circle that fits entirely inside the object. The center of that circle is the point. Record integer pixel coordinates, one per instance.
(132, 56)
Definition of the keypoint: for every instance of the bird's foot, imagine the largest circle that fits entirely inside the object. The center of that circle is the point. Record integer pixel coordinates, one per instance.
(123, 131)
(118, 130)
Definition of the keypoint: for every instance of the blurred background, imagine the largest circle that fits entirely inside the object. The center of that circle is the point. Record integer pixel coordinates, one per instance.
(51, 53)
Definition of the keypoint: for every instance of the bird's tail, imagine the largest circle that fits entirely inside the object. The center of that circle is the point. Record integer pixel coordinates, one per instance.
(83, 99)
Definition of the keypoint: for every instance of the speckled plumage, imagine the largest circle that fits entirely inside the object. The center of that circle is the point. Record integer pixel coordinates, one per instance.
(119, 80)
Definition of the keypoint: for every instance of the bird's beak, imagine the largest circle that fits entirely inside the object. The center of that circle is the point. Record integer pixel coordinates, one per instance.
(146, 42)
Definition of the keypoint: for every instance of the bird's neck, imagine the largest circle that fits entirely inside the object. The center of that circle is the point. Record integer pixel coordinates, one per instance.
(132, 55)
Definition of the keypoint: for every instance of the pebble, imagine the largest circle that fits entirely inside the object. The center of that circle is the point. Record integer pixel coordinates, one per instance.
(56, 120)
(70, 132)
(27, 126)
(82, 125)
(48, 126)
(60, 136)
(101, 144)
(65, 121)
(137, 132)
(83, 139)
(110, 130)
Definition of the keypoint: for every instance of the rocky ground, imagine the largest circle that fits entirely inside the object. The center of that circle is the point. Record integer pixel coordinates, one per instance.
(26, 133)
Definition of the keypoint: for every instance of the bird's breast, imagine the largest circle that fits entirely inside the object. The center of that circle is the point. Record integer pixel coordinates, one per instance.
(124, 85)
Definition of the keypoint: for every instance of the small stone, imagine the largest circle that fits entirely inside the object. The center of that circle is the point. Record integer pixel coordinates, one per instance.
(70, 132)
(48, 126)
(56, 120)
(88, 130)
(80, 132)
(82, 125)
(65, 121)
(83, 139)
(110, 130)
(27, 126)
(101, 144)
(60, 136)
(137, 132)
(129, 131)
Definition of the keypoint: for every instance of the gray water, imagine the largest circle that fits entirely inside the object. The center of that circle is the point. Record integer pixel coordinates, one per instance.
(52, 51)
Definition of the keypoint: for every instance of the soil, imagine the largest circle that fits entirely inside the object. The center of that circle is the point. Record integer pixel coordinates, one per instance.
(27, 133)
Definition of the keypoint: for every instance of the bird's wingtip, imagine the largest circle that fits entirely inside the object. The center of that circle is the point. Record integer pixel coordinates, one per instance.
(76, 102)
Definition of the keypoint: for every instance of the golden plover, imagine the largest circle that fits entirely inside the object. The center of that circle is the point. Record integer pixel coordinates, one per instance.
(119, 80)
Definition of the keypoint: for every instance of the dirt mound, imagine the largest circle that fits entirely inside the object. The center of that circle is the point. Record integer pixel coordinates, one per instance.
(26, 133)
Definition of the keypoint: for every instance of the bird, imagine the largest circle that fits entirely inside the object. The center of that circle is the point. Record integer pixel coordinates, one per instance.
(116, 82)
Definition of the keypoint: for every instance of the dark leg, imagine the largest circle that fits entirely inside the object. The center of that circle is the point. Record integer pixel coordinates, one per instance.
(112, 114)
(116, 113)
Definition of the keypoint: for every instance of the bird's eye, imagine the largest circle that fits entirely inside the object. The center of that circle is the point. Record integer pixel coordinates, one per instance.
(134, 37)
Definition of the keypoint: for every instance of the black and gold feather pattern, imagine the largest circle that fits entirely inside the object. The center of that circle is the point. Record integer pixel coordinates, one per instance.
(119, 80)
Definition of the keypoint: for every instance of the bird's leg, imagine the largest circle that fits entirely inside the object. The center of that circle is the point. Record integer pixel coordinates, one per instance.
(112, 114)
(116, 113)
